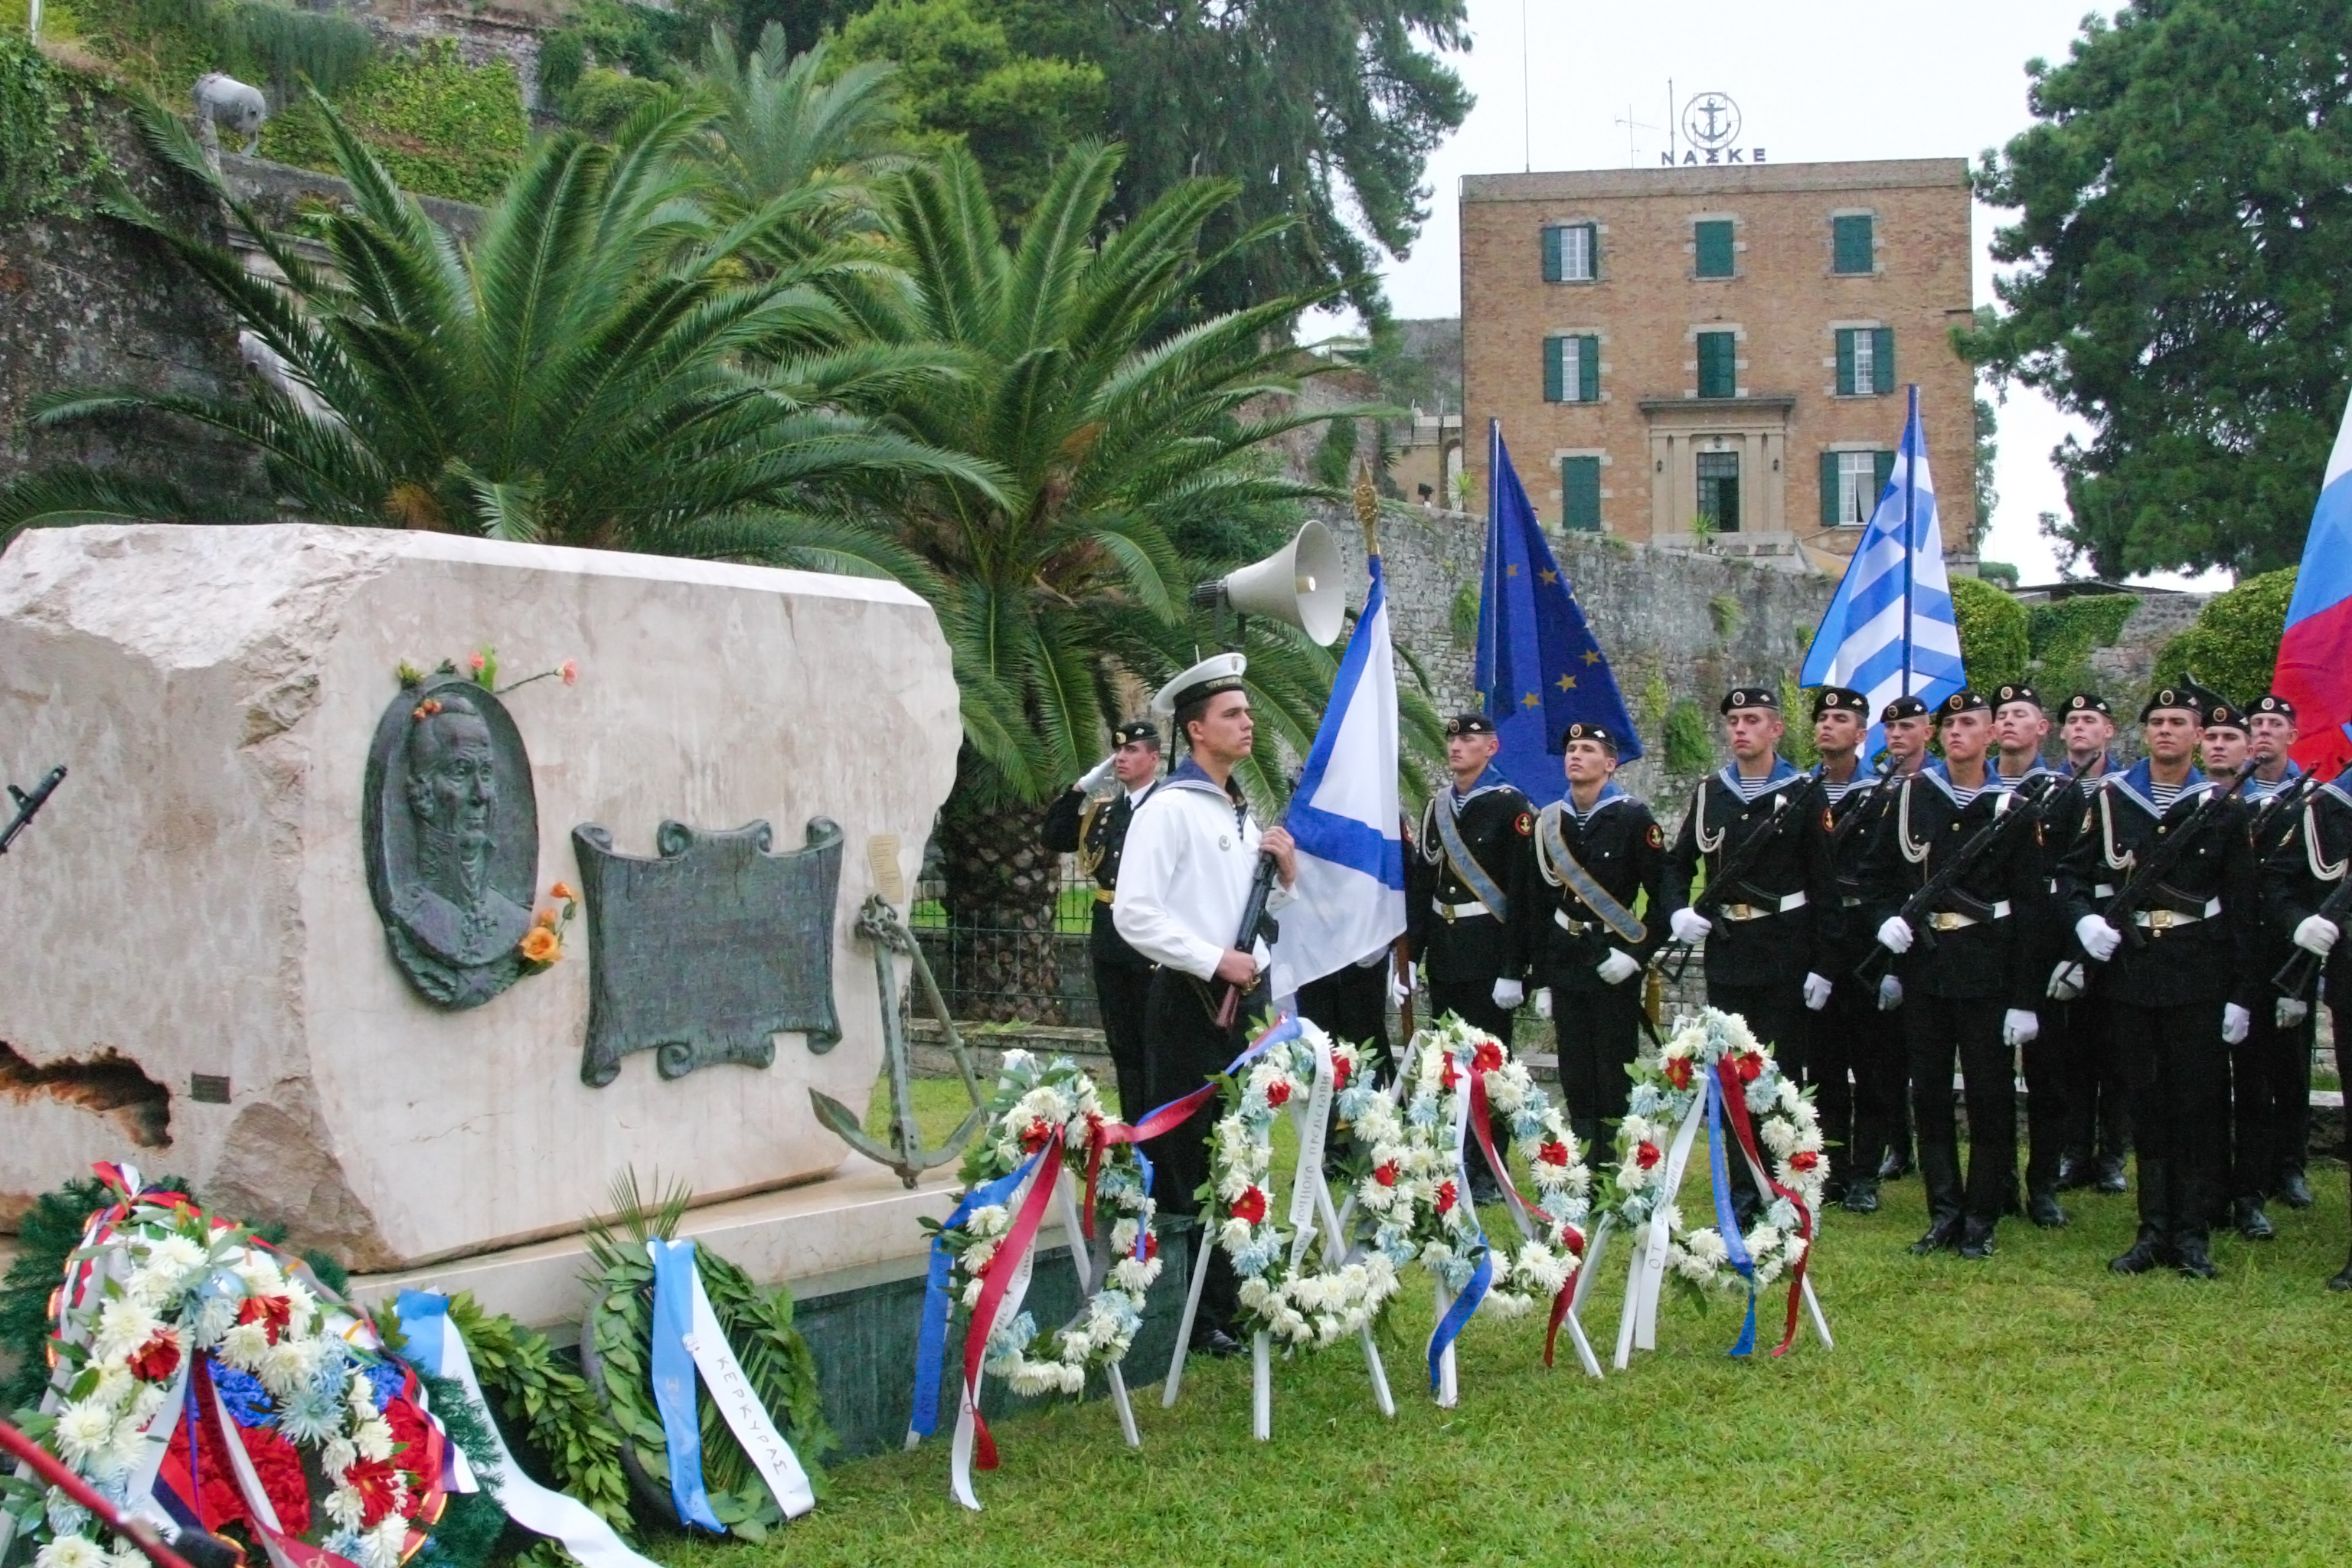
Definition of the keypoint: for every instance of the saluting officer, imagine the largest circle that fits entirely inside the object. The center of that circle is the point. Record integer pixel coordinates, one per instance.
(2090, 1057)
(2303, 873)
(1475, 838)
(1093, 827)
(1191, 855)
(2176, 994)
(1854, 1085)
(1969, 990)
(1909, 727)
(1764, 960)
(2278, 1048)
(2020, 726)
(1597, 851)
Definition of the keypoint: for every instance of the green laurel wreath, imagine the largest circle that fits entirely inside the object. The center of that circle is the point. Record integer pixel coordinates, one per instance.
(615, 1351)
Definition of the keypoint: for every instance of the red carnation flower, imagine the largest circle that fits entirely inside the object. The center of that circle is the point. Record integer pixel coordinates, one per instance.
(1679, 1071)
(1387, 1174)
(1553, 1152)
(1749, 1065)
(1151, 1247)
(1250, 1207)
(1277, 1093)
(1645, 1154)
(279, 1467)
(1445, 1198)
(274, 1313)
(1338, 1074)
(1488, 1056)
(1452, 1076)
(158, 1359)
(1803, 1160)
(1033, 1137)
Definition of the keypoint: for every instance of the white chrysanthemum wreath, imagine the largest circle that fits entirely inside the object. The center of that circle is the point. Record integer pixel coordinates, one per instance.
(1667, 1084)
(1034, 1100)
(1415, 1190)
(1289, 1287)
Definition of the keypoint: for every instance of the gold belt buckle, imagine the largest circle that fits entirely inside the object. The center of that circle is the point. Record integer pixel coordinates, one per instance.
(2160, 920)
(1944, 919)
(1446, 909)
(1740, 911)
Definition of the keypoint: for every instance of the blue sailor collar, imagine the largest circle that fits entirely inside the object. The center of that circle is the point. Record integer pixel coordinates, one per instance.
(1488, 781)
(2257, 790)
(1937, 773)
(1996, 779)
(2340, 786)
(1190, 776)
(2135, 786)
(1781, 775)
(2107, 766)
(1611, 792)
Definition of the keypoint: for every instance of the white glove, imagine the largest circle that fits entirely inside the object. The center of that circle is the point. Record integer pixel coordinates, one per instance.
(2066, 982)
(1890, 994)
(1401, 984)
(1895, 935)
(2020, 1028)
(1817, 993)
(1098, 775)
(2292, 1012)
(1617, 968)
(2317, 934)
(2099, 939)
(1689, 925)
(1508, 994)
(2236, 1022)
(1543, 1003)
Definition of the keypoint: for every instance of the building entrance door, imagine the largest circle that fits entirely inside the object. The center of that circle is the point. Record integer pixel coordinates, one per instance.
(1719, 491)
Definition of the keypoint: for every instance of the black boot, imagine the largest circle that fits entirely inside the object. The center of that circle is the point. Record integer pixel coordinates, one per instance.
(1896, 1165)
(2193, 1207)
(2293, 1190)
(1862, 1196)
(1939, 1167)
(2342, 1279)
(1975, 1238)
(2252, 1222)
(2150, 1250)
(2042, 1207)
(2111, 1174)
(2074, 1171)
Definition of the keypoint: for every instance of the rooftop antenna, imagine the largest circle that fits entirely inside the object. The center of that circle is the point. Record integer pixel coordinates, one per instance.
(1670, 121)
(1527, 93)
(1632, 153)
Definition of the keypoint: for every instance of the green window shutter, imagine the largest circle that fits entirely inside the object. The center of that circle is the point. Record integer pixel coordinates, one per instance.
(1592, 251)
(1579, 488)
(1714, 253)
(1846, 361)
(1881, 358)
(1551, 255)
(1883, 471)
(1552, 355)
(1588, 370)
(1851, 245)
(1829, 488)
(1718, 370)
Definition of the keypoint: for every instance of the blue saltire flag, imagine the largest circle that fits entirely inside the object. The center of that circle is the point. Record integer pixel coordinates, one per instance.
(1890, 631)
(1539, 669)
(1349, 901)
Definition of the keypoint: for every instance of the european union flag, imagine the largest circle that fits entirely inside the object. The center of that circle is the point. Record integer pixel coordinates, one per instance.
(1539, 669)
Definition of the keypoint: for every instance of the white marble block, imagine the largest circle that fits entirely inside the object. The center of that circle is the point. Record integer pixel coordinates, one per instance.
(194, 901)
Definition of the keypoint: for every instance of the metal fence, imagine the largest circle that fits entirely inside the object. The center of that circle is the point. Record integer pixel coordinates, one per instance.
(995, 966)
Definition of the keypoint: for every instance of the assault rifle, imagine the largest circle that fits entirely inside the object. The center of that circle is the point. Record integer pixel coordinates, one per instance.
(2162, 859)
(2295, 976)
(1735, 868)
(1253, 925)
(27, 805)
(1928, 894)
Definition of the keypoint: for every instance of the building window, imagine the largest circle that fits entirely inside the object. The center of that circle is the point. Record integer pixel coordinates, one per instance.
(1573, 369)
(1851, 483)
(1571, 253)
(1579, 490)
(1719, 365)
(1850, 245)
(1865, 357)
(1718, 491)
(1714, 251)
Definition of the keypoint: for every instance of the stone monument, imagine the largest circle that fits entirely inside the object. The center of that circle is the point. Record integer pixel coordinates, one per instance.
(265, 936)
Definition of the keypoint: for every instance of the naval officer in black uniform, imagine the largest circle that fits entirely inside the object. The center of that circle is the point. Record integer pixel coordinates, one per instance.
(1474, 845)
(1597, 852)
(1093, 827)
(2178, 991)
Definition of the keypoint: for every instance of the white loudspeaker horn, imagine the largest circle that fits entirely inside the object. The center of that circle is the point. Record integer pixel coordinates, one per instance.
(1298, 584)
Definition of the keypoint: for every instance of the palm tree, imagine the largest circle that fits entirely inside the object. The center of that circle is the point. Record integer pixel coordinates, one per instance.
(1125, 447)
(783, 127)
(599, 367)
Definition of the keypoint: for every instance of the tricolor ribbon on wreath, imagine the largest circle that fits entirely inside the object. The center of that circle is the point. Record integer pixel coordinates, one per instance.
(1725, 1087)
(1456, 1314)
(687, 1340)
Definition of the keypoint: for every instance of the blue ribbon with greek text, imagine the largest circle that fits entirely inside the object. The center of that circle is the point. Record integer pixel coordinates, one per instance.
(1457, 1316)
(932, 1344)
(1727, 1219)
(675, 1382)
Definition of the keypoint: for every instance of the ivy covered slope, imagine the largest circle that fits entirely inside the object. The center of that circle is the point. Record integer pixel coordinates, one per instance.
(2234, 647)
(442, 127)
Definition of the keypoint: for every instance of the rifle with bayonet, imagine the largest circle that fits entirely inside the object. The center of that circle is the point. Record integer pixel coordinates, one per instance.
(1735, 867)
(1915, 910)
(2295, 976)
(2162, 859)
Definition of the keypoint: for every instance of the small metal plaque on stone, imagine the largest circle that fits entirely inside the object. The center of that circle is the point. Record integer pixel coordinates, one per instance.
(208, 1089)
(707, 953)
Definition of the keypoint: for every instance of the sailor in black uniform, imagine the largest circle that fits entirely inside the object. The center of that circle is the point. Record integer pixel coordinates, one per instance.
(2020, 727)
(2277, 1053)
(2303, 873)
(1909, 727)
(1475, 838)
(2099, 1121)
(1853, 1082)
(1093, 827)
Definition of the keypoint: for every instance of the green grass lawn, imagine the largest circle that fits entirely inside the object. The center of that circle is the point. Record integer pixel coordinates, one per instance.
(2035, 1409)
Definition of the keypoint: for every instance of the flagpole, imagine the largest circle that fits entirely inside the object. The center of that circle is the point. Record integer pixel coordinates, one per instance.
(1910, 543)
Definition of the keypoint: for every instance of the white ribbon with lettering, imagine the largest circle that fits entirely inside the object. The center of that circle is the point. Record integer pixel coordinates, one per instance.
(739, 1405)
(1639, 1324)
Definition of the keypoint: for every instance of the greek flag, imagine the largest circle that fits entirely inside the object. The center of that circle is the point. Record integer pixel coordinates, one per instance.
(1350, 901)
(1890, 630)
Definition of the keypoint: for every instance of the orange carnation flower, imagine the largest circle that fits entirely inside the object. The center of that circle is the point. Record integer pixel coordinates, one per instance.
(541, 945)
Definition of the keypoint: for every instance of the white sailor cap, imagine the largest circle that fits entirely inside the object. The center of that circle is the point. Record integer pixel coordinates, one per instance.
(1218, 672)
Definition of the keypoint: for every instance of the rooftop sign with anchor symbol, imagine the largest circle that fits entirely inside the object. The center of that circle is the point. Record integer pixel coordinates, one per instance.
(1711, 123)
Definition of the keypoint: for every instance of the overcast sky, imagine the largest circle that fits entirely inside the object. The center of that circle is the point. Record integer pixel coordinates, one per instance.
(1814, 80)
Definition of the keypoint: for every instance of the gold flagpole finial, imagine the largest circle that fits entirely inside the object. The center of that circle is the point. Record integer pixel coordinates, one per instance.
(1368, 509)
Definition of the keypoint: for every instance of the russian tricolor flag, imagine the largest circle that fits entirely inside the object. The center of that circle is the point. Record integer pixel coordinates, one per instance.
(2315, 662)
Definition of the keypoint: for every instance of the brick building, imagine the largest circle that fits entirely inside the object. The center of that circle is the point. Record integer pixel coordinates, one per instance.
(1726, 344)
